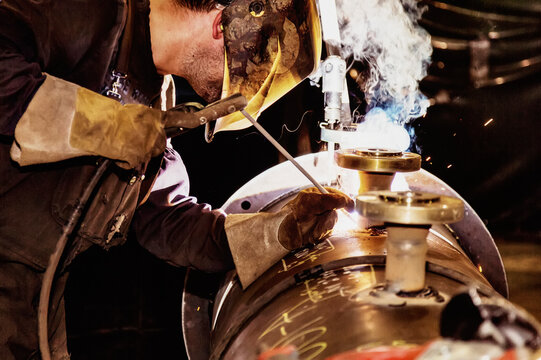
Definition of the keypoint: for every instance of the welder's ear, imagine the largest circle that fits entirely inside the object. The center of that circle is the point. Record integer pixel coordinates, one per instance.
(217, 29)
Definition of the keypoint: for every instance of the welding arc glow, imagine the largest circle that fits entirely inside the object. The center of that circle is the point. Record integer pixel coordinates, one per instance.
(346, 222)
(386, 37)
(378, 131)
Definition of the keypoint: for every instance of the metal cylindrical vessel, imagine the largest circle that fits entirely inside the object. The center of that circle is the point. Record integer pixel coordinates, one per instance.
(332, 297)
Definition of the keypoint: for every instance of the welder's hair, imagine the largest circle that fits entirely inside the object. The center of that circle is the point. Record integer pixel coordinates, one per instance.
(202, 5)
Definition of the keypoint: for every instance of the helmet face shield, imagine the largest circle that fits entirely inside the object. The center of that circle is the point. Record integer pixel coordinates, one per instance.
(271, 46)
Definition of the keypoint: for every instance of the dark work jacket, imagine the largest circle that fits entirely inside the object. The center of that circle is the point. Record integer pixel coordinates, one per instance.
(77, 41)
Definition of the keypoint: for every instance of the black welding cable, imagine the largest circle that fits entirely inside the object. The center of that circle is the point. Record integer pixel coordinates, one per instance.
(120, 67)
(47, 282)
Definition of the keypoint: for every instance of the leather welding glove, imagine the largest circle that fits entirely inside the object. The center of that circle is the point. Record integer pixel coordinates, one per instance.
(64, 121)
(258, 241)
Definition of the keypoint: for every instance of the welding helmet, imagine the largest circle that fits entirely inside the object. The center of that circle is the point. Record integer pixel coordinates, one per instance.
(270, 47)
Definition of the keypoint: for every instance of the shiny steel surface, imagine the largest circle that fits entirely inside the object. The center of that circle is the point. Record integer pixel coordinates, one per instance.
(471, 233)
(324, 316)
(377, 160)
(334, 282)
(409, 208)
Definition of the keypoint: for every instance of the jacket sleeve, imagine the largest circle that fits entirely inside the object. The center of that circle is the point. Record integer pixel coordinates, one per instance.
(174, 227)
(73, 40)
(20, 75)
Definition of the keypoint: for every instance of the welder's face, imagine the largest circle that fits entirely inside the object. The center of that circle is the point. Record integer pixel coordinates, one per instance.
(189, 44)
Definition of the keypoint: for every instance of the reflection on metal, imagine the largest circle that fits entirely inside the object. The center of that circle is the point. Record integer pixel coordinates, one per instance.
(482, 14)
(330, 298)
(333, 86)
(408, 216)
(275, 186)
(411, 208)
(346, 134)
(377, 167)
(378, 160)
(471, 233)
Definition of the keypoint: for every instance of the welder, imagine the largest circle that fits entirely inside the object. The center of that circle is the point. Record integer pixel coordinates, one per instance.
(83, 83)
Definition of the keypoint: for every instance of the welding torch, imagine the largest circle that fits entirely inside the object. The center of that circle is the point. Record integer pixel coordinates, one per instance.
(185, 121)
(224, 107)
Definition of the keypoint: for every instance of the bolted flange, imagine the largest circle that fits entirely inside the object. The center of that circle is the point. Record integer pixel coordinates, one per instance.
(378, 160)
(408, 216)
(409, 208)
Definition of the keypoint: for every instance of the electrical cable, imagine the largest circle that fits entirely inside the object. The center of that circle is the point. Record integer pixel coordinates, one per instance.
(215, 110)
(48, 277)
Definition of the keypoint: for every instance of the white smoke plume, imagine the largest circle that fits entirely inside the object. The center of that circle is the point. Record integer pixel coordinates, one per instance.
(385, 35)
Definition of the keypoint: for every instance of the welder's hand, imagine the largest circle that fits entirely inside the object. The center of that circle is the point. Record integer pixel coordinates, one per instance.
(65, 121)
(257, 241)
(131, 137)
(311, 217)
(182, 116)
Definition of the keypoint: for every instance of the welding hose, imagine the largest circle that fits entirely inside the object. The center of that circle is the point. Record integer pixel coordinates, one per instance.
(48, 277)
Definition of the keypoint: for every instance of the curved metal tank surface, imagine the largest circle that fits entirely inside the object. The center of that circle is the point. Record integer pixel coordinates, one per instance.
(331, 297)
(273, 187)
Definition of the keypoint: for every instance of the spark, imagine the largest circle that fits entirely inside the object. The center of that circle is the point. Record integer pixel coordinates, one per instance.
(489, 121)
(480, 268)
(449, 166)
(428, 158)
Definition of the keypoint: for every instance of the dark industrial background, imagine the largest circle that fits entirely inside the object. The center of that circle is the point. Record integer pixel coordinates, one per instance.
(481, 136)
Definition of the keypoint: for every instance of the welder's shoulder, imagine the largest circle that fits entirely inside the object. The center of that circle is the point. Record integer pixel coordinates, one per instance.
(50, 25)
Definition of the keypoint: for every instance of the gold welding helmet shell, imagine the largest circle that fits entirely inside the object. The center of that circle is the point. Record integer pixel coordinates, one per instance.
(270, 47)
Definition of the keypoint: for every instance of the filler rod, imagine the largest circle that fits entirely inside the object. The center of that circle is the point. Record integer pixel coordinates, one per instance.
(284, 152)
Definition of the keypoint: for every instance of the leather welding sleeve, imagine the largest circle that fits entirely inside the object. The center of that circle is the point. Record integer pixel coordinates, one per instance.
(174, 227)
(257, 241)
(64, 120)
